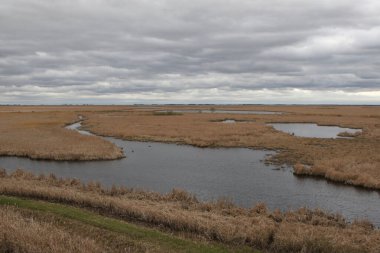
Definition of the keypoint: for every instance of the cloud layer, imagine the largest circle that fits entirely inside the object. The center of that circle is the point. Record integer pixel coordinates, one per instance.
(258, 51)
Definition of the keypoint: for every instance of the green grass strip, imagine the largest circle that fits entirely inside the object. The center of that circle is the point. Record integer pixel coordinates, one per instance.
(165, 241)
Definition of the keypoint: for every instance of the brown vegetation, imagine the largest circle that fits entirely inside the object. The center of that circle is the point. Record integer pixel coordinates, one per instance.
(22, 234)
(41, 135)
(350, 135)
(346, 171)
(353, 161)
(294, 231)
(37, 132)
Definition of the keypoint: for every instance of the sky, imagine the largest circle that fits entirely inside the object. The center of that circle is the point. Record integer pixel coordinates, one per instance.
(199, 51)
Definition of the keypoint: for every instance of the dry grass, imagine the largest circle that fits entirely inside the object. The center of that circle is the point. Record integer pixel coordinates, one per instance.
(350, 135)
(345, 171)
(41, 135)
(110, 234)
(297, 231)
(358, 156)
(34, 131)
(21, 234)
(102, 240)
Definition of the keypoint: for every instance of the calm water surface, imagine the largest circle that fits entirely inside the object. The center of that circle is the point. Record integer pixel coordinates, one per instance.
(312, 130)
(229, 121)
(223, 111)
(237, 173)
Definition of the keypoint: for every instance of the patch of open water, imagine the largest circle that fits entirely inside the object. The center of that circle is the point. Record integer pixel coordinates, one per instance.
(222, 111)
(210, 173)
(312, 130)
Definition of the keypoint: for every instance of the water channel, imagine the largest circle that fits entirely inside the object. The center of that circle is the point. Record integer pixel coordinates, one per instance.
(211, 173)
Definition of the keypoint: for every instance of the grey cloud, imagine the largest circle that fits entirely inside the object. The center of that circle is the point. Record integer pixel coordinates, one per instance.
(166, 46)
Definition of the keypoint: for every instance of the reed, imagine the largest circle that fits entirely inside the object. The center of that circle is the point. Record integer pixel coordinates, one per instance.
(22, 234)
(358, 155)
(347, 172)
(37, 132)
(301, 230)
(41, 135)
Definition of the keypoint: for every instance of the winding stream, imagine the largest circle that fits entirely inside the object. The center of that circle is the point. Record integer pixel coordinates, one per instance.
(210, 173)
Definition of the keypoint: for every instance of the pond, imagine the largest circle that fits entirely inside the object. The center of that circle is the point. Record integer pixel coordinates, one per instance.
(221, 111)
(210, 173)
(312, 130)
(229, 121)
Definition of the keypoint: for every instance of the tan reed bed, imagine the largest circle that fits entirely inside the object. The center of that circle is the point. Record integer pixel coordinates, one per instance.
(353, 161)
(37, 132)
(302, 230)
(41, 135)
(25, 234)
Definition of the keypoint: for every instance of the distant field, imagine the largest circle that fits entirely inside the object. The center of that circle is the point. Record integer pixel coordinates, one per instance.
(37, 132)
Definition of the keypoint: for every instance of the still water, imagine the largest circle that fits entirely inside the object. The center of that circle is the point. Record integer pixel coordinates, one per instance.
(312, 130)
(229, 121)
(210, 173)
(223, 111)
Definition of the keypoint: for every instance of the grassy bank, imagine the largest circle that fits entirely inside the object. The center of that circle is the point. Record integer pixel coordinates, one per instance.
(142, 236)
(181, 213)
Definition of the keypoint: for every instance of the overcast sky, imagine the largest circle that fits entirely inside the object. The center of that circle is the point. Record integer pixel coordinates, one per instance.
(198, 51)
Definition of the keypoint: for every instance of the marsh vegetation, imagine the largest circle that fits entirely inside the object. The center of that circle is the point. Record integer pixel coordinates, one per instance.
(181, 213)
(359, 155)
(211, 173)
(39, 133)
